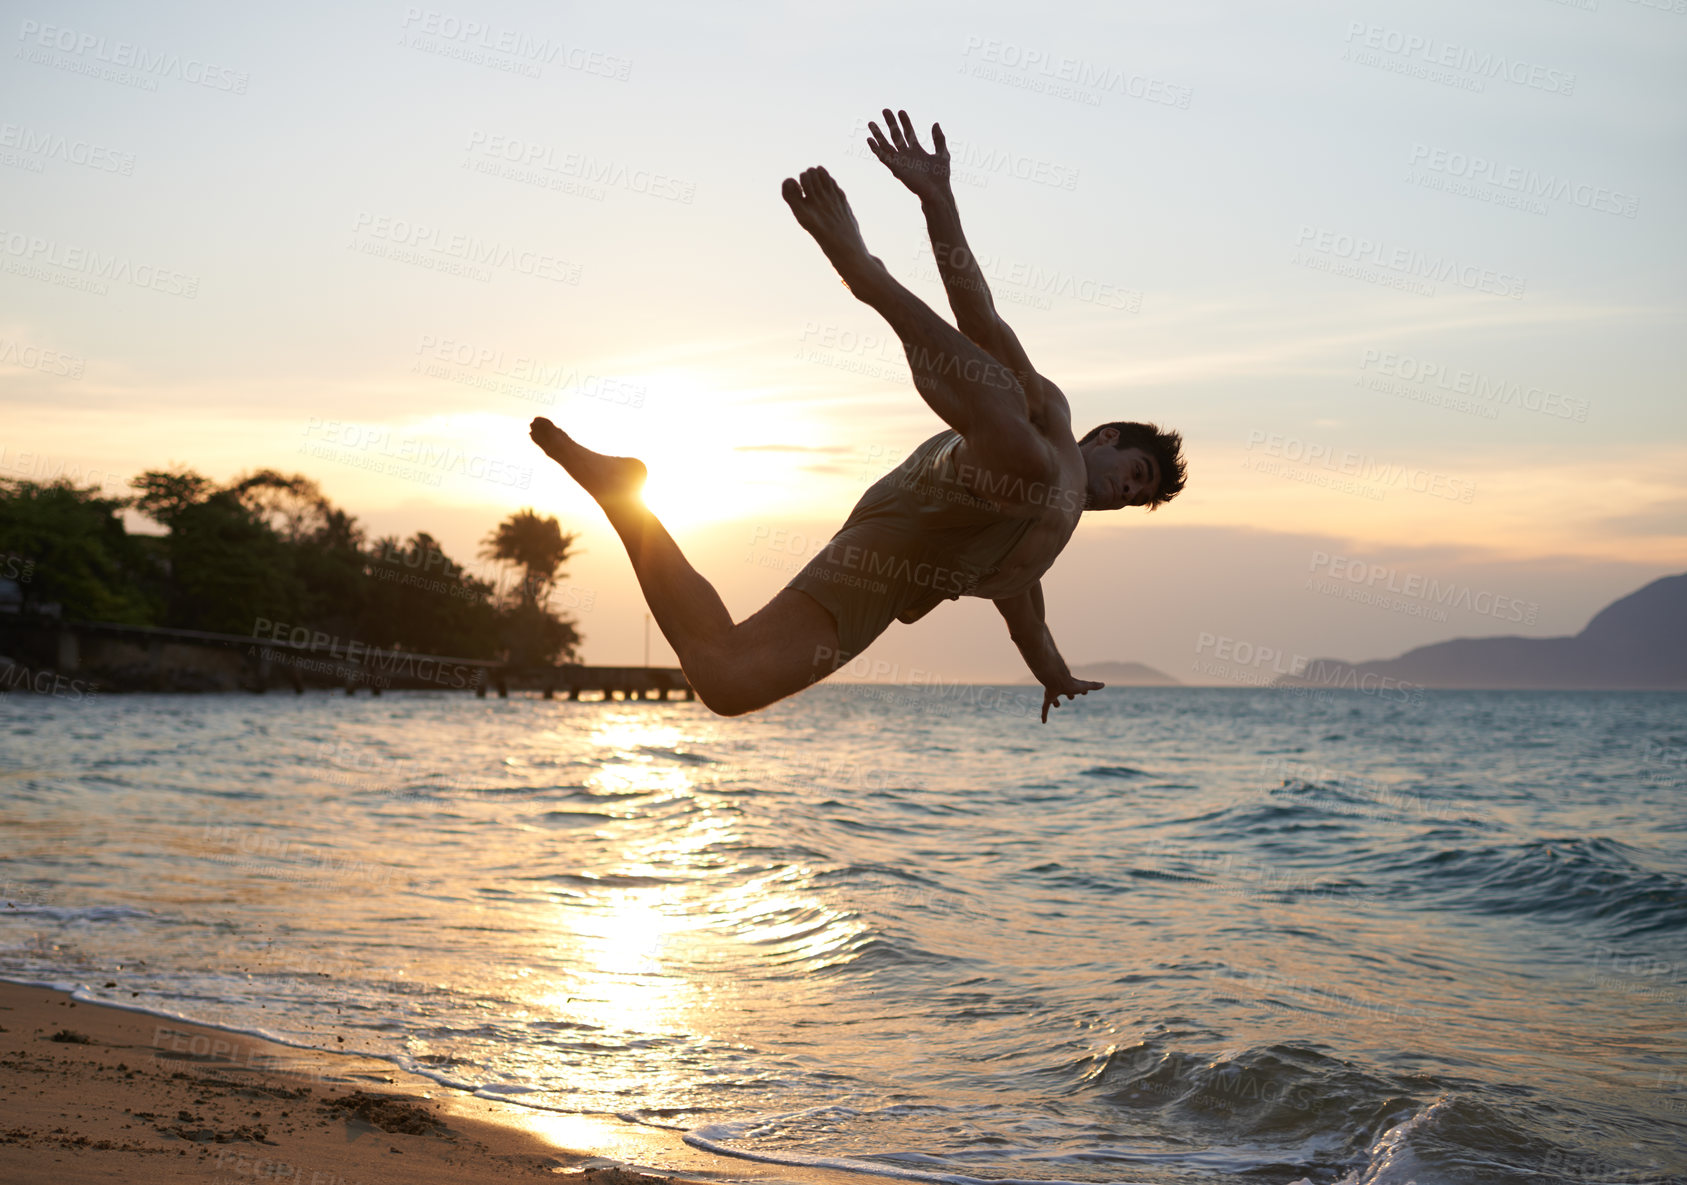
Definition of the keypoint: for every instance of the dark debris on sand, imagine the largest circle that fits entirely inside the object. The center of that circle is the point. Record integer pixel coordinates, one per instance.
(390, 1113)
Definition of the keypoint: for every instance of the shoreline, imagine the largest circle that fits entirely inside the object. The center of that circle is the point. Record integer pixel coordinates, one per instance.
(103, 1093)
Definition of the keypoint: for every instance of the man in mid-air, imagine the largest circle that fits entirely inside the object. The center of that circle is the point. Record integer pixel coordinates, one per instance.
(980, 510)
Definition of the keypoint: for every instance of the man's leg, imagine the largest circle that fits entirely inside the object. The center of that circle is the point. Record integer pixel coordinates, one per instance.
(788, 644)
(973, 392)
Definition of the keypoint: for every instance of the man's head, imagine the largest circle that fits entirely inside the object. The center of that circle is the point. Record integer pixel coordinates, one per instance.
(1131, 464)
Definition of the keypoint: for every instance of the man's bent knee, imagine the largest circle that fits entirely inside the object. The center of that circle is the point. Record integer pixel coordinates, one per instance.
(729, 697)
(734, 685)
(725, 684)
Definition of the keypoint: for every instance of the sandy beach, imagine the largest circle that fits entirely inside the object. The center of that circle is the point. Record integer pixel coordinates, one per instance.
(98, 1094)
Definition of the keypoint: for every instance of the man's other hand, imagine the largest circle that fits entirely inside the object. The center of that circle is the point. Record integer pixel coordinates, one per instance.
(925, 173)
(1068, 687)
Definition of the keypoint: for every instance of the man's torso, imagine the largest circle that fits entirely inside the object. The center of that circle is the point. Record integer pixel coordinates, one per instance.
(1053, 500)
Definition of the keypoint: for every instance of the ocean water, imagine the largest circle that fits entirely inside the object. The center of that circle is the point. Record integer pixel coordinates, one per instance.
(1175, 935)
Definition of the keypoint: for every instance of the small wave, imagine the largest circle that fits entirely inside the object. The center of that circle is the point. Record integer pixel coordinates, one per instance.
(608, 880)
(868, 952)
(445, 788)
(1280, 1095)
(1456, 1137)
(1374, 801)
(72, 915)
(1114, 771)
(575, 818)
(683, 756)
(719, 1138)
(1593, 878)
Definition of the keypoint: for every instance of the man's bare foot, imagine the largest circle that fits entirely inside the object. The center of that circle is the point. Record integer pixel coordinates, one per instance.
(608, 479)
(823, 211)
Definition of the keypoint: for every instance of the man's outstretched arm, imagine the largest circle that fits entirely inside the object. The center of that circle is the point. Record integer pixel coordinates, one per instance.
(926, 174)
(1024, 617)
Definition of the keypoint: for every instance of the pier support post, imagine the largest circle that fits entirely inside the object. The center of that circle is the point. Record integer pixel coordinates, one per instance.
(69, 651)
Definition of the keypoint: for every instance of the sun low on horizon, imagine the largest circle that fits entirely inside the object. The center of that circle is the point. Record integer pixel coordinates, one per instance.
(711, 456)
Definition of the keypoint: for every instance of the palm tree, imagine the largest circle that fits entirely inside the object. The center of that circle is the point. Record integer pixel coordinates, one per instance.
(538, 546)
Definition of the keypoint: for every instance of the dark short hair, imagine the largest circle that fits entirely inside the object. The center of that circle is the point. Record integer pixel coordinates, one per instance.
(1165, 447)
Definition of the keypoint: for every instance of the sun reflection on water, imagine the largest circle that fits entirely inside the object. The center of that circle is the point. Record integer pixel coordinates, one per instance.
(634, 936)
(658, 932)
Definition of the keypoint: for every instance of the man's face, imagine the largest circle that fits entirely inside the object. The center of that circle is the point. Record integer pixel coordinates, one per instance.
(1118, 477)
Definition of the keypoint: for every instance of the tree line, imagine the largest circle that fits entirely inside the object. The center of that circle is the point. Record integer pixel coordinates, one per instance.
(271, 546)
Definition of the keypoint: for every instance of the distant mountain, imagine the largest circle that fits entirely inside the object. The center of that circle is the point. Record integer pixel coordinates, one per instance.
(1636, 643)
(1116, 674)
(1124, 674)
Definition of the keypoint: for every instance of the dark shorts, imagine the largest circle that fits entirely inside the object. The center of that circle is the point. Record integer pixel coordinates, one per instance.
(872, 574)
(916, 538)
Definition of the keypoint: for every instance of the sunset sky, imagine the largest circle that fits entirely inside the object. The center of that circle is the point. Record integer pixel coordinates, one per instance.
(1411, 281)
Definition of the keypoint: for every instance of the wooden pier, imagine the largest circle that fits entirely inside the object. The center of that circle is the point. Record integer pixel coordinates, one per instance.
(576, 682)
(107, 656)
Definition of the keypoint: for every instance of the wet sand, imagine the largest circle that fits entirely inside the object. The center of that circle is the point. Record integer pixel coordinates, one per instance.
(90, 1093)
